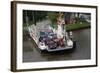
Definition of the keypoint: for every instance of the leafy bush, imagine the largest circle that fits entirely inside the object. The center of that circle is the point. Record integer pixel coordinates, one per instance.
(52, 16)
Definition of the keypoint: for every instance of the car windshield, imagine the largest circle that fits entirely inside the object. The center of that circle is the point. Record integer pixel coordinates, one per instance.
(42, 33)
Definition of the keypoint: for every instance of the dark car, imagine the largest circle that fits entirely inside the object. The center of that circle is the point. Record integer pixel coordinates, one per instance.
(51, 44)
(42, 37)
(48, 39)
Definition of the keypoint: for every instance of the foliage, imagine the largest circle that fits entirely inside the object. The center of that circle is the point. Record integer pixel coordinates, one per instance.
(28, 24)
(81, 19)
(40, 15)
(52, 16)
(31, 17)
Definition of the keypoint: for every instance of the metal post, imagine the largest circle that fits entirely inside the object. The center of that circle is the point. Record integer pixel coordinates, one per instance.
(26, 18)
(34, 17)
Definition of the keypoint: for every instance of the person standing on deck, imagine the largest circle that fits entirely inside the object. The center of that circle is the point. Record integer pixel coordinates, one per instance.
(60, 29)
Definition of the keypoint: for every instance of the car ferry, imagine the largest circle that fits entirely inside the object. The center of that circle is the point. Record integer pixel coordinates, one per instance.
(47, 40)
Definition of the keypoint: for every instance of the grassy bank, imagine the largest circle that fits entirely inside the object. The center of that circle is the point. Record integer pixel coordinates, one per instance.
(77, 26)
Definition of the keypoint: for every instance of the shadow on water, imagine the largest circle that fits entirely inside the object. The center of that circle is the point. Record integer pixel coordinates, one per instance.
(55, 56)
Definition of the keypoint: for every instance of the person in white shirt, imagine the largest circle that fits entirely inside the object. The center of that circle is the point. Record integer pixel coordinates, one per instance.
(60, 29)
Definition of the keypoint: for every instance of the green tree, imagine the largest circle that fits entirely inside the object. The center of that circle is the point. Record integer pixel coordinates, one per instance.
(52, 16)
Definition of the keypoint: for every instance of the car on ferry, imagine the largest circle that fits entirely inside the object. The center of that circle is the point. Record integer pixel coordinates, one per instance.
(48, 41)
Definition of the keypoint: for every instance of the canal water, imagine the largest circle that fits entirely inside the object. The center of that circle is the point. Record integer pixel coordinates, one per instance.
(82, 50)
